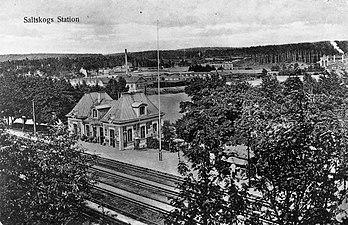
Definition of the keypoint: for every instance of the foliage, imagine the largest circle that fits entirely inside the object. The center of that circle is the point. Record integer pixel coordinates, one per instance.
(264, 72)
(67, 65)
(115, 87)
(53, 98)
(208, 195)
(42, 182)
(152, 143)
(300, 147)
(200, 68)
(168, 132)
(201, 87)
(49, 95)
(298, 134)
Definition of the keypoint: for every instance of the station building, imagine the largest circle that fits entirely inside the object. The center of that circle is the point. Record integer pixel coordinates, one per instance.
(126, 123)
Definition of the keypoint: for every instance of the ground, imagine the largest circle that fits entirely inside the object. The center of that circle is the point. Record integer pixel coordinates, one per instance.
(148, 158)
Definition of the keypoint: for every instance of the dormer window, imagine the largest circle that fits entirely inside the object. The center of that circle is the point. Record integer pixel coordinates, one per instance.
(94, 113)
(142, 110)
(139, 108)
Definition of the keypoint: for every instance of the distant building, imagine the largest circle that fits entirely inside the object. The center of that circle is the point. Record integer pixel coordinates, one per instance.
(225, 65)
(171, 77)
(83, 71)
(125, 123)
(101, 81)
(334, 61)
(136, 83)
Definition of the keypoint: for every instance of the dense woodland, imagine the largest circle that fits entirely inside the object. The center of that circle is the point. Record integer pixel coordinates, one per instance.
(69, 65)
(298, 134)
(45, 181)
(297, 131)
(53, 98)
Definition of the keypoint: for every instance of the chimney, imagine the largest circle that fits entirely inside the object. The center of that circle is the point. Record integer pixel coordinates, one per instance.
(126, 64)
(99, 97)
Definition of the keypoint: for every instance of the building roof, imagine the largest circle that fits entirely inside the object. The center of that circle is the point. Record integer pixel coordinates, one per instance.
(122, 111)
(83, 108)
(134, 79)
(138, 104)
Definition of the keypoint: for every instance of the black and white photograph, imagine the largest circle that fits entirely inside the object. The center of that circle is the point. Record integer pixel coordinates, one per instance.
(158, 112)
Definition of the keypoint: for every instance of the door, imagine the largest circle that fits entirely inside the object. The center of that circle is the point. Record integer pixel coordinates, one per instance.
(101, 135)
(112, 138)
(125, 139)
(75, 128)
(87, 130)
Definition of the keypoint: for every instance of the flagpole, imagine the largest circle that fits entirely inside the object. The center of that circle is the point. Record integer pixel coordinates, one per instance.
(34, 120)
(159, 100)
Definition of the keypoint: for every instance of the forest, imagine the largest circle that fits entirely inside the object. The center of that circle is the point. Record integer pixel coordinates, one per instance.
(68, 66)
(297, 133)
(53, 98)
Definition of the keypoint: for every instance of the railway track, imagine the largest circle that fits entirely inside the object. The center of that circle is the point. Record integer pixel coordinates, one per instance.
(135, 186)
(141, 172)
(98, 217)
(152, 190)
(132, 208)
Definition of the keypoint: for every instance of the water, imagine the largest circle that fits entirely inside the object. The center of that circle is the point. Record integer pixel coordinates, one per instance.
(170, 104)
(280, 79)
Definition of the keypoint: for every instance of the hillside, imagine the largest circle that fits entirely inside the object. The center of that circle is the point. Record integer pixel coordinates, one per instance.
(36, 56)
(308, 52)
(254, 57)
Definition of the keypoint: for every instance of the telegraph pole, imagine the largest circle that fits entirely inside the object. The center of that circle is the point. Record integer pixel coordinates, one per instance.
(159, 100)
(34, 120)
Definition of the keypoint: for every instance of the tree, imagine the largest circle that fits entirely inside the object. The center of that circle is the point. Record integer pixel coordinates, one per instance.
(114, 88)
(300, 154)
(50, 96)
(168, 131)
(42, 182)
(264, 72)
(208, 194)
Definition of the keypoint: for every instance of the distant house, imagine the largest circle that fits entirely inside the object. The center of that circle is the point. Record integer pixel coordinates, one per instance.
(125, 123)
(171, 77)
(136, 83)
(100, 81)
(225, 65)
(334, 61)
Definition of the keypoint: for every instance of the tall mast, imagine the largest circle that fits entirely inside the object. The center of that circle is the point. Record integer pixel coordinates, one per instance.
(126, 61)
(159, 100)
(34, 121)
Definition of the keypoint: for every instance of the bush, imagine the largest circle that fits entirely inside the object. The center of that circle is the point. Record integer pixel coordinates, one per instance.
(48, 184)
(152, 142)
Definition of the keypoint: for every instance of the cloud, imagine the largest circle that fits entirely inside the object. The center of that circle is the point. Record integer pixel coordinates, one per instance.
(109, 26)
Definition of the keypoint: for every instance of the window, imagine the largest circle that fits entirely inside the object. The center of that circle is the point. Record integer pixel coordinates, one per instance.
(142, 110)
(129, 135)
(94, 129)
(87, 130)
(148, 125)
(75, 128)
(154, 127)
(142, 132)
(95, 113)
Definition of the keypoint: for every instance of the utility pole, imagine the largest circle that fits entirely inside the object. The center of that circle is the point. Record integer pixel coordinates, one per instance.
(159, 100)
(249, 179)
(126, 61)
(34, 120)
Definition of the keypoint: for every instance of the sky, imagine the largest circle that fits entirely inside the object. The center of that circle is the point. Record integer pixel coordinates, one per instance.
(110, 26)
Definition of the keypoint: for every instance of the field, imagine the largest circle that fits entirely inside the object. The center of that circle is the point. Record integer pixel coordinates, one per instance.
(170, 104)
